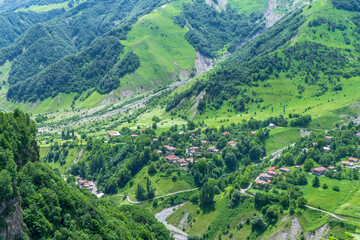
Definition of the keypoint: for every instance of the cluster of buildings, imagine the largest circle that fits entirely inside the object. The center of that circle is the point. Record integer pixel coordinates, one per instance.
(266, 178)
(85, 184)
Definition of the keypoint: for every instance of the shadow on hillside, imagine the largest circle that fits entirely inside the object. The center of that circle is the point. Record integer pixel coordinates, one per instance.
(208, 208)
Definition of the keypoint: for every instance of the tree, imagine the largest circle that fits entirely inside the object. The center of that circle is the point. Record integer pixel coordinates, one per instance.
(258, 223)
(230, 160)
(6, 189)
(152, 169)
(12, 168)
(308, 164)
(190, 125)
(255, 153)
(222, 142)
(140, 192)
(301, 202)
(208, 192)
(316, 182)
(284, 200)
(289, 159)
(154, 126)
(235, 198)
(261, 200)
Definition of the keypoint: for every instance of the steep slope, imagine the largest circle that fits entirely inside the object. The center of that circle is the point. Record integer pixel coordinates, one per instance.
(37, 203)
(301, 65)
(68, 34)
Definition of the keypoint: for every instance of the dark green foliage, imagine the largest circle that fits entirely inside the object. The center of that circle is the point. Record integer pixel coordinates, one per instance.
(349, 5)
(12, 25)
(302, 121)
(49, 45)
(111, 80)
(11, 5)
(52, 207)
(211, 30)
(78, 73)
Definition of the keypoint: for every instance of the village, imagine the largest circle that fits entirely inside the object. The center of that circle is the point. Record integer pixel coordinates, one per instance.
(351, 163)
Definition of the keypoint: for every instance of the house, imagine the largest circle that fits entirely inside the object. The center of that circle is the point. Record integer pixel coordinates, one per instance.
(271, 169)
(182, 162)
(134, 136)
(213, 150)
(192, 150)
(155, 140)
(262, 182)
(271, 173)
(81, 182)
(298, 166)
(169, 148)
(318, 171)
(168, 139)
(182, 133)
(286, 170)
(159, 152)
(143, 130)
(327, 138)
(189, 160)
(272, 126)
(304, 150)
(347, 164)
(253, 133)
(313, 144)
(265, 177)
(331, 168)
(205, 142)
(326, 149)
(351, 159)
(357, 135)
(171, 158)
(114, 134)
(232, 143)
(225, 133)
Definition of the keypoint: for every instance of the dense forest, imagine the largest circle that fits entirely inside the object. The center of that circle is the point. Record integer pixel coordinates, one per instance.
(349, 5)
(79, 73)
(52, 208)
(211, 30)
(70, 35)
(12, 5)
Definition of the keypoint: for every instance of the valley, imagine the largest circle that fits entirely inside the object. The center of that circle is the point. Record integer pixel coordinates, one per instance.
(189, 119)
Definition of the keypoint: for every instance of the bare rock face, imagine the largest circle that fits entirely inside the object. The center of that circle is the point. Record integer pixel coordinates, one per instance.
(14, 221)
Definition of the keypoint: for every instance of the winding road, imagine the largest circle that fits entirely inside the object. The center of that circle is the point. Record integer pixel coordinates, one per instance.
(166, 195)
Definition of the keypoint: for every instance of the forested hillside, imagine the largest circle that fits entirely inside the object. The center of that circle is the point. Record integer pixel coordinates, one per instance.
(51, 208)
(310, 53)
(68, 34)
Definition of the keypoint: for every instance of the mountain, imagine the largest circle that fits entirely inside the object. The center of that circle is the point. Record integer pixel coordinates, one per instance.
(299, 66)
(171, 41)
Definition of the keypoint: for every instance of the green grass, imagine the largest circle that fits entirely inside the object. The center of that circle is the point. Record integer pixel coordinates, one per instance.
(44, 8)
(49, 7)
(161, 47)
(248, 6)
(311, 219)
(70, 158)
(328, 199)
(281, 137)
(162, 184)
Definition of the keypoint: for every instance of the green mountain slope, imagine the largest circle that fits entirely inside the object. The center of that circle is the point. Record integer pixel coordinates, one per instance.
(306, 63)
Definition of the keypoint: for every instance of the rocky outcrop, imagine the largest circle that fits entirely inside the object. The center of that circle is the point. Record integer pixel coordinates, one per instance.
(14, 220)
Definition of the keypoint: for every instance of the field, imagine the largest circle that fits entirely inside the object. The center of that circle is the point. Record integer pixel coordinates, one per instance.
(280, 138)
(162, 184)
(329, 199)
